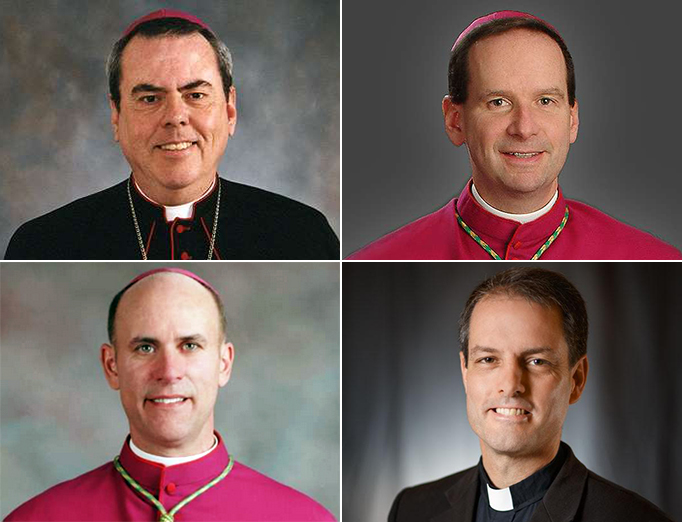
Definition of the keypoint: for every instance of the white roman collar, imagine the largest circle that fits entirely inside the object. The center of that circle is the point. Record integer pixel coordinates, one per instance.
(183, 211)
(521, 218)
(171, 461)
(500, 499)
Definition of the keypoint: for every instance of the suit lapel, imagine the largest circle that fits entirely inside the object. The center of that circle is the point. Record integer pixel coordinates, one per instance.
(562, 500)
(462, 498)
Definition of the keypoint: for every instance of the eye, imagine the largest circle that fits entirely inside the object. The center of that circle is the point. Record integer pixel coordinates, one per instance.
(538, 362)
(190, 347)
(498, 102)
(197, 95)
(149, 98)
(486, 360)
(546, 101)
(144, 348)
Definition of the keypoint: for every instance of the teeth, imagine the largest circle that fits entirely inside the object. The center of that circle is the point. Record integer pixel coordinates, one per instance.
(509, 411)
(177, 146)
(523, 154)
(168, 401)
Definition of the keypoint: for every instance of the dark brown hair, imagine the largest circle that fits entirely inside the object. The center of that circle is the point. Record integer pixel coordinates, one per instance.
(541, 286)
(458, 69)
(167, 27)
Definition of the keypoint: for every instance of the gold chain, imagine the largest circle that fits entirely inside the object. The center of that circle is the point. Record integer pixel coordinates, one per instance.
(139, 234)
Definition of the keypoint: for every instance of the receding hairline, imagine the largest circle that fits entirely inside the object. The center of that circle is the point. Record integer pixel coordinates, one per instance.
(120, 296)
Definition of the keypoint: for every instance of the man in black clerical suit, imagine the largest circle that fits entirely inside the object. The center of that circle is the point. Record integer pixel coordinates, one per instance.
(173, 110)
(523, 336)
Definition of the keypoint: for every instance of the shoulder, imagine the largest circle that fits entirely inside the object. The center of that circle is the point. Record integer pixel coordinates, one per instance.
(617, 239)
(605, 500)
(274, 499)
(269, 225)
(414, 240)
(50, 232)
(427, 500)
(63, 501)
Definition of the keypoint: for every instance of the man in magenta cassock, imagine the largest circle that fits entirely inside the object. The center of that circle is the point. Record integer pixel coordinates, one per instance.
(512, 101)
(168, 356)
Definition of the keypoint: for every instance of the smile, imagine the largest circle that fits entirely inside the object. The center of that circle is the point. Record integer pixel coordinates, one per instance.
(509, 412)
(522, 154)
(177, 146)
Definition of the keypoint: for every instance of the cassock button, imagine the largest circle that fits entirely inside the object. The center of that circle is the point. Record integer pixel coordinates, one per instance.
(182, 228)
(517, 245)
(185, 256)
(170, 488)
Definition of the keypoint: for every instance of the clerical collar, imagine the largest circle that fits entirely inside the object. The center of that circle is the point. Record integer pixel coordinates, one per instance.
(184, 211)
(522, 494)
(171, 461)
(521, 218)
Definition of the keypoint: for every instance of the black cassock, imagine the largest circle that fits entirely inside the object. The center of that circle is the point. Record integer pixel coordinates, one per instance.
(252, 224)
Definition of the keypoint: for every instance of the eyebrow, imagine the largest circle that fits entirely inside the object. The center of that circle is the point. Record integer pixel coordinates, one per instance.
(554, 91)
(530, 351)
(148, 87)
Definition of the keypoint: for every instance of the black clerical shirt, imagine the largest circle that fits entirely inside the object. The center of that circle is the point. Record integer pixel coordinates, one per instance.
(525, 495)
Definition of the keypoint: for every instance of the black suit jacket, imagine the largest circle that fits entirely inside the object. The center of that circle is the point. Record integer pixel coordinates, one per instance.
(576, 495)
(252, 224)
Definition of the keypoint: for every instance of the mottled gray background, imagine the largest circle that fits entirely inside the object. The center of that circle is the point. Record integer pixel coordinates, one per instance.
(400, 165)
(278, 414)
(57, 142)
(404, 407)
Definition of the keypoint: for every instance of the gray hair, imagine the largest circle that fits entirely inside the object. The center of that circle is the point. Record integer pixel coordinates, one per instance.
(166, 27)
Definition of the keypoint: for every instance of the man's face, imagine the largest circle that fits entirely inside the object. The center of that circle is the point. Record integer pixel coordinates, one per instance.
(518, 360)
(172, 95)
(517, 103)
(168, 344)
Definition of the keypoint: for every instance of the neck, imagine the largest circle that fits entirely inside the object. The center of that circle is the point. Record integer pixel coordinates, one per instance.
(169, 197)
(506, 470)
(181, 448)
(515, 202)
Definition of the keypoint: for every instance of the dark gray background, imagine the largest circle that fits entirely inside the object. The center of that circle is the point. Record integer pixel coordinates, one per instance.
(404, 407)
(57, 142)
(400, 165)
(278, 414)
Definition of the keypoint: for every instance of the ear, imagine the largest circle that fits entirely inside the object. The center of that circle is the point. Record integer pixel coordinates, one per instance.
(452, 114)
(578, 379)
(108, 360)
(575, 121)
(232, 111)
(463, 367)
(114, 117)
(226, 360)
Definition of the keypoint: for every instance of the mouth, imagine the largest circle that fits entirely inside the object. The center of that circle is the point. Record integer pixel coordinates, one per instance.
(525, 156)
(166, 401)
(512, 413)
(176, 146)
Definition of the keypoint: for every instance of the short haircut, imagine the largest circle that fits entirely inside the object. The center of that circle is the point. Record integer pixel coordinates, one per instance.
(166, 27)
(540, 286)
(458, 69)
(113, 307)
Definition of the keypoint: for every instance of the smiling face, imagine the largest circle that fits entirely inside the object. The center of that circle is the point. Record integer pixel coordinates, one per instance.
(518, 382)
(174, 121)
(516, 122)
(169, 361)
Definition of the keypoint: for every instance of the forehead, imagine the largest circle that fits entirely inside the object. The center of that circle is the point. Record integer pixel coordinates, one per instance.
(516, 60)
(167, 301)
(515, 323)
(168, 59)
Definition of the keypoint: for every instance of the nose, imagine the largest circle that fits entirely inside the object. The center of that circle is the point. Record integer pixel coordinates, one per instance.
(169, 366)
(511, 380)
(523, 124)
(176, 111)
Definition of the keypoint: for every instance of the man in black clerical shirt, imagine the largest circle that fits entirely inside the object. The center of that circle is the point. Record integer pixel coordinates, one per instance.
(523, 336)
(173, 110)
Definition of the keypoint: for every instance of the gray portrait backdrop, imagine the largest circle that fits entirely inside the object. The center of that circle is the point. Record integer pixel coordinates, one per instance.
(278, 414)
(57, 141)
(400, 165)
(404, 408)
